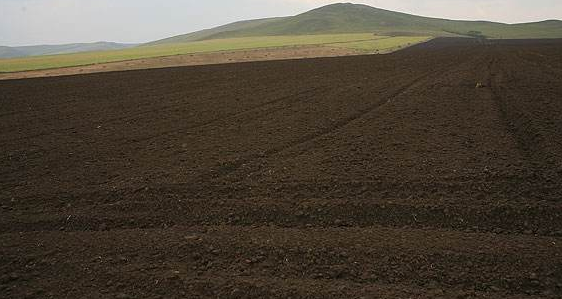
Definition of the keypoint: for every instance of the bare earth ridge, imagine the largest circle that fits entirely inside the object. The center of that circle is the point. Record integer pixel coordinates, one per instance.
(433, 172)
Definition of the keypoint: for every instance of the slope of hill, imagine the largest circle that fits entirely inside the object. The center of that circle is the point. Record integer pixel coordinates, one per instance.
(11, 52)
(355, 18)
(207, 33)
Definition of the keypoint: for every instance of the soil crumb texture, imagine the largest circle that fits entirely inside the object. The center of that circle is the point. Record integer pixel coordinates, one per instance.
(433, 172)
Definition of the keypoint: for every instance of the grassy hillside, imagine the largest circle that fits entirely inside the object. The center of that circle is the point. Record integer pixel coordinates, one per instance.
(10, 52)
(352, 41)
(207, 33)
(350, 18)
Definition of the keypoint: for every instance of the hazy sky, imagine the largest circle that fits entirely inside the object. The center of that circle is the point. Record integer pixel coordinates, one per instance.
(26, 22)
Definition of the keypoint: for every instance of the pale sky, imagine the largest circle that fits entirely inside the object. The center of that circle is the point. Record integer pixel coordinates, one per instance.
(30, 22)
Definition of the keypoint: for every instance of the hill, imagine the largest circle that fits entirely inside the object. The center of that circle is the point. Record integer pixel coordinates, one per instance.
(12, 52)
(9, 52)
(358, 18)
(207, 33)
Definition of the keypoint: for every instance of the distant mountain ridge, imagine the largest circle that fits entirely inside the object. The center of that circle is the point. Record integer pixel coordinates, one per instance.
(359, 18)
(24, 51)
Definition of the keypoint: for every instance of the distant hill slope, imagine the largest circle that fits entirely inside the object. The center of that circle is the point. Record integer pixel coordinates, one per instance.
(12, 52)
(356, 18)
(9, 52)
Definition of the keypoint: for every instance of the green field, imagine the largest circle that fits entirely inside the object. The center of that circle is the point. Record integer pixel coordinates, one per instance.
(361, 41)
(384, 45)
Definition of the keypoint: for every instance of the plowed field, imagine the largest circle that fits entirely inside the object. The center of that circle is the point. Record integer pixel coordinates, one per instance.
(432, 172)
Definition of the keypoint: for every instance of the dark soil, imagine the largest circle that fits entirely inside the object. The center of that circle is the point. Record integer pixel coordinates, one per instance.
(432, 172)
